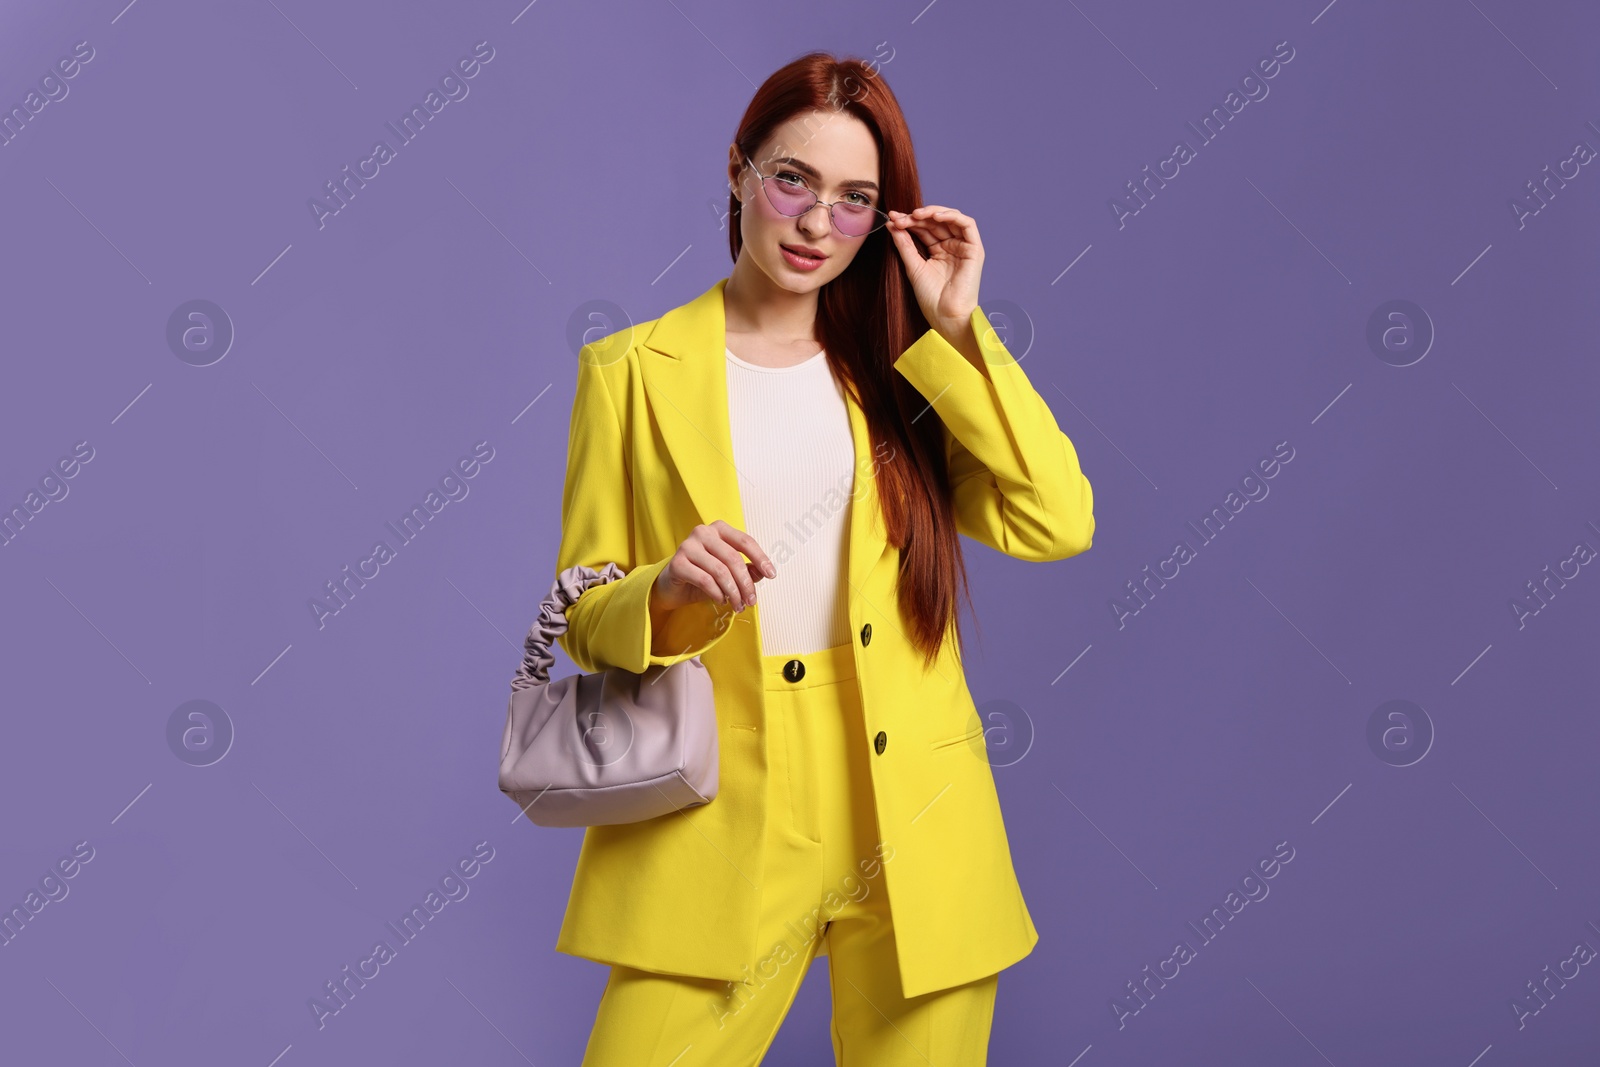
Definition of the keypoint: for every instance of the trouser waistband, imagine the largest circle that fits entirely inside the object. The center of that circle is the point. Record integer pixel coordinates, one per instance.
(799, 670)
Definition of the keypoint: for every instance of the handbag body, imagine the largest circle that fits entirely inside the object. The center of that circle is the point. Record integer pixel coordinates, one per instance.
(610, 747)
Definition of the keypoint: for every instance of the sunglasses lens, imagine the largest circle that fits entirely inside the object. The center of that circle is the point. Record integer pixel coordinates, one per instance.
(857, 220)
(789, 198)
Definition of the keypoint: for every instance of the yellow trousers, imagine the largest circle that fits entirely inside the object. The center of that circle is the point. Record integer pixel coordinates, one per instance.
(822, 894)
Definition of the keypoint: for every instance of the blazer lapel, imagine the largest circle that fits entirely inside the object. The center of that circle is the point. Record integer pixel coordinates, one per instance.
(685, 375)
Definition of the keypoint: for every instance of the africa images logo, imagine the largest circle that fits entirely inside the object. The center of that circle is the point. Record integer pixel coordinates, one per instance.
(453, 88)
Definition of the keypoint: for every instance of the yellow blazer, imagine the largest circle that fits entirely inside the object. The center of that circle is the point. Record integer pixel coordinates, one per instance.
(650, 457)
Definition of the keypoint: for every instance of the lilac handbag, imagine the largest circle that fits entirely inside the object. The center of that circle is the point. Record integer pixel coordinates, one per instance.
(612, 747)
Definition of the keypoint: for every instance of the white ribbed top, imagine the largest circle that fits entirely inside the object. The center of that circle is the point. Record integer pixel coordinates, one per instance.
(796, 461)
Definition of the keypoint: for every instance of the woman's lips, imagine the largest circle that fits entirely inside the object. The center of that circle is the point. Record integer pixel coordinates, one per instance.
(799, 260)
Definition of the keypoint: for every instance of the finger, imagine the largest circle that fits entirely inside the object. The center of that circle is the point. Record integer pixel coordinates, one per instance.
(929, 228)
(704, 572)
(749, 546)
(963, 225)
(908, 248)
(738, 570)
(944, 226)
(944, 223)
(919, 228)
(704, 552)
(916, 214)
(689, 575)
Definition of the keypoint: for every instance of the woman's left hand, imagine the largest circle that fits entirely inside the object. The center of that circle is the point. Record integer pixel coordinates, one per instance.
(946, 283)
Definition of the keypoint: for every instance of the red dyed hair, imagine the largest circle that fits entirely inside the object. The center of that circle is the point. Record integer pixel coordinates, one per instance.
(866, 318)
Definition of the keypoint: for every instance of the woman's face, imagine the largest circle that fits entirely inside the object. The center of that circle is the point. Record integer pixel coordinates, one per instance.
(833, 155)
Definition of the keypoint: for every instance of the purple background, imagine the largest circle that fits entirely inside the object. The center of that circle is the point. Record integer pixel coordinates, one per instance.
(1228, 315)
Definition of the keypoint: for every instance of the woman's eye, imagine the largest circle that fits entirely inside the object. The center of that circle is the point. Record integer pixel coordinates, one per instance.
(862, 198)
(789, 177)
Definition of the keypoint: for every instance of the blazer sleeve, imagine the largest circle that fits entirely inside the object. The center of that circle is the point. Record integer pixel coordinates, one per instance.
(1015, 475)
(609, 625)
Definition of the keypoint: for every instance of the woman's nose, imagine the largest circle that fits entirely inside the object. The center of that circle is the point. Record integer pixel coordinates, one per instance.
(816, 223)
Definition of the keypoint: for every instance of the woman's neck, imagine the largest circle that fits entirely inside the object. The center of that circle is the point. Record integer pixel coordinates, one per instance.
(753, 306)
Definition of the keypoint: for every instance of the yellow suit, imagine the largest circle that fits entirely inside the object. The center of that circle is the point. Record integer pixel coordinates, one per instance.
(650, 457)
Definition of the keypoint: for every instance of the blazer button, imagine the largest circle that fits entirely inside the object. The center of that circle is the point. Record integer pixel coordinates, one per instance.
(794, 670)
(880, 742)
(866, 634)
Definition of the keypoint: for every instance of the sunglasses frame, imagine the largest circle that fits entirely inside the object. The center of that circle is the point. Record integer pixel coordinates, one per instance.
(815, 200)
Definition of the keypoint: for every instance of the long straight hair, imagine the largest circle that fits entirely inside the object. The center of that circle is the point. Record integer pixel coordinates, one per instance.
(866, 318)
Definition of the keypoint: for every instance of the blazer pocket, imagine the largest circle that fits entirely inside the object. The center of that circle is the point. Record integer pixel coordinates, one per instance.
(973, 733)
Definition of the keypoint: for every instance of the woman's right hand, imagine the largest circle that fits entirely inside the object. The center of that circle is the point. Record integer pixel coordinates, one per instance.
(709, 566)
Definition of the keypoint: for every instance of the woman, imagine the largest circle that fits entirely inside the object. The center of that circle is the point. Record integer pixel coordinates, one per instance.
(814, 430)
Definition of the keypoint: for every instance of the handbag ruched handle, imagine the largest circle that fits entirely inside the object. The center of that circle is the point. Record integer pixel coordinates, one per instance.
(570, 584)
